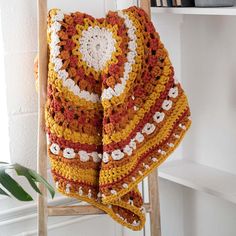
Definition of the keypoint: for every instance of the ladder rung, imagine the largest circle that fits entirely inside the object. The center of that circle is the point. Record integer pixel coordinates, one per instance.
(80, 210)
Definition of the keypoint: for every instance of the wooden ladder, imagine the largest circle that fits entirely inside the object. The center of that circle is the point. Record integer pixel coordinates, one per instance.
(153, 207)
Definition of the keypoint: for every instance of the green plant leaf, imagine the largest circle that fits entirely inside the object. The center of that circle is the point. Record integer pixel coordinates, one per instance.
(13, 187)
(33, 177)
(2, 192)
(40, 179)
(23, 171)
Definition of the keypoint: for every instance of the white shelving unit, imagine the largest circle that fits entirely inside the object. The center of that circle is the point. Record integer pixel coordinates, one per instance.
(200, 177)
(189, 173)
(226, 11)
(202, 46)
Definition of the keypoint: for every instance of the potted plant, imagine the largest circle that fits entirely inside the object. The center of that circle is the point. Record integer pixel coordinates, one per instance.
(12, 188)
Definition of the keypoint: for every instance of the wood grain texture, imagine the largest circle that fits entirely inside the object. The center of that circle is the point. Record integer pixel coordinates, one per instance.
(41, 148)
(155, 215)
(80, 210)
(146, 6)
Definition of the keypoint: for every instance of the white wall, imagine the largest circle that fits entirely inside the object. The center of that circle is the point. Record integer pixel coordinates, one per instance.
(20, 45)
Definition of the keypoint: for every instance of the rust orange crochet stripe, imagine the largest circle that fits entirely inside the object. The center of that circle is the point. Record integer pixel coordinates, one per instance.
(114, 109)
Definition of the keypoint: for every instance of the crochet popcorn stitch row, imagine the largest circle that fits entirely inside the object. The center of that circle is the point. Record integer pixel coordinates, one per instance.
(114, 110)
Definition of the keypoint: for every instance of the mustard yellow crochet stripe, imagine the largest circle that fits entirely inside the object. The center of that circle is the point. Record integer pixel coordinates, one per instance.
(135, 67)
(154, 165)
(68, 134)
(107, 176)
(66, 94)
(110, 212)
(121, 135)
(133, 209)
(72, 172)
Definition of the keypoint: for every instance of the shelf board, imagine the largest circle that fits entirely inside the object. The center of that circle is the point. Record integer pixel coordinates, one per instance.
(226, 11)
(200, 177)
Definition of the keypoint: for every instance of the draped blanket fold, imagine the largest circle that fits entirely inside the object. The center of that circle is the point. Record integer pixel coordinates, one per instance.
(114, 109)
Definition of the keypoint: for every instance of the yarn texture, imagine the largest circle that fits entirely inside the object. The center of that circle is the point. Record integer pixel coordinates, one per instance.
(114, 109)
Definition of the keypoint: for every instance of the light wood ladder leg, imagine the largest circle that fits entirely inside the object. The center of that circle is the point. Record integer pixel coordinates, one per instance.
(155, 217)
(154, 201)
(41, 149)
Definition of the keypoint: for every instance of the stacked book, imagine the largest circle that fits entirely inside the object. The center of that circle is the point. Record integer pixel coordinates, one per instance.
(172, 3)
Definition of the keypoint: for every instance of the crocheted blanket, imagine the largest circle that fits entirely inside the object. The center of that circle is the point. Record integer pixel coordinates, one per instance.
(114, 109)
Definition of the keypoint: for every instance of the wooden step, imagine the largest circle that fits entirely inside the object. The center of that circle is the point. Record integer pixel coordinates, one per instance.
(80, 210)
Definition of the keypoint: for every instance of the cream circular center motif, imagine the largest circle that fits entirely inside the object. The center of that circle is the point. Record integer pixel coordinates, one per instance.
(96, 46)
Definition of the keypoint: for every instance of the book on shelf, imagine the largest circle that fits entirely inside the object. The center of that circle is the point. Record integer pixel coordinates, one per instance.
(159, 3)
(174, 3)
(167, 3)
(185, 3)
(156, 3)
(153, 3)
